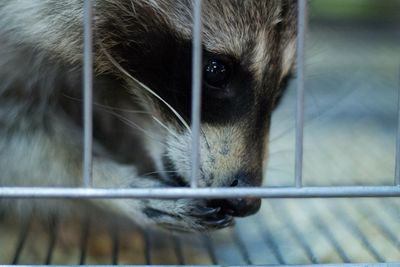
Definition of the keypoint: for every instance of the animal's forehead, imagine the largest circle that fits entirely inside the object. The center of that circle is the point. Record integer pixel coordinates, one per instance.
(229, 26)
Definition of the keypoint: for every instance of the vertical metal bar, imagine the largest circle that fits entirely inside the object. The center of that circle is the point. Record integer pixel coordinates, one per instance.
(281, 212)
(88, 93)
(53, 233)
(241, 246)
(397, 170)
(147, 246)
(346, 220)
(84, 240)
(210, 249)
(178, 250)
(379, 223)
(327, 233)
(269, 240)
(23, 236)
(196, 91)
(300, 92)
(333, 241)
(114, 231)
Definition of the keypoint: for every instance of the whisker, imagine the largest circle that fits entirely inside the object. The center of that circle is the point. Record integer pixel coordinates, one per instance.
(205, 138)
(107, 107)
(111, 109)
(165, 127)
(134, 125)
(147, 89)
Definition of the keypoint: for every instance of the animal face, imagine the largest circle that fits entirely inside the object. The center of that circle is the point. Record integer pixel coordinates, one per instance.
(248, 49)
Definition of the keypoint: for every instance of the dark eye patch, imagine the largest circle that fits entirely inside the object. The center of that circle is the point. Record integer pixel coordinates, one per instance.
(163, 62)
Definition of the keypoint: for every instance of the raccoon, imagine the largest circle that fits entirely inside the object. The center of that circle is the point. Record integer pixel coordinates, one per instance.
(142, 100)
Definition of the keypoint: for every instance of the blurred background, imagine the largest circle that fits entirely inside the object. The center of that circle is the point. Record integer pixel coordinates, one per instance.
(352, 85)
(360, 11)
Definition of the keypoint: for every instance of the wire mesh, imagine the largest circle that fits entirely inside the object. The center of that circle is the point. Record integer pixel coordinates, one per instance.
(209, 245)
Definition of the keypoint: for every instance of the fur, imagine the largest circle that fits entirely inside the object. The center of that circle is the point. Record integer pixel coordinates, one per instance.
(142, 48)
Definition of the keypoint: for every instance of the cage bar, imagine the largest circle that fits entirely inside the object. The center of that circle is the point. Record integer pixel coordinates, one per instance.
(178, 250)
(355, 230)
(301, 21)
(270, 241)
(397, 168)
(88, 93)
(196, 91)
(379, 264)
(202, 193)
(84, 240)
(290, 225)
(147, 246)
(241, 247)
(208, 243)
(53, 226)
(327, 233)
(244, 246)
(115, 245)
(23, 236)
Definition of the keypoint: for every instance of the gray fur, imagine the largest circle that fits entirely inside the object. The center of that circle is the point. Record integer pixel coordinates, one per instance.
(40, 81)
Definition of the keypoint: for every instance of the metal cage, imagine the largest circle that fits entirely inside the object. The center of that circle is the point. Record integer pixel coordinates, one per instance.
(295, 191)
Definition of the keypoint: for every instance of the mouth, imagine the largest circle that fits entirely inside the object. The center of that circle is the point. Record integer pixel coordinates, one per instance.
(241, 207)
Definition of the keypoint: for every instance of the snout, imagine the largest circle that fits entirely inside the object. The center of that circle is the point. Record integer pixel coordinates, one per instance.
(240, 207)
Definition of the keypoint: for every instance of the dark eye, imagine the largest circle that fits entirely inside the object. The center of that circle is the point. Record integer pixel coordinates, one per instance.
(216, 73)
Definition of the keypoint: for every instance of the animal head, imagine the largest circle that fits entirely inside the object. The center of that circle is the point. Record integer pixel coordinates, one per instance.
(248, 49)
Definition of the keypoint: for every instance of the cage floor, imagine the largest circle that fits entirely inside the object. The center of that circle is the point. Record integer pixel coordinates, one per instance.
(284, 232)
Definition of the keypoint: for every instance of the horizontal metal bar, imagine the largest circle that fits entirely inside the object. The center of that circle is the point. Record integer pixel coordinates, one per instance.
(185, 192)
(390, 264)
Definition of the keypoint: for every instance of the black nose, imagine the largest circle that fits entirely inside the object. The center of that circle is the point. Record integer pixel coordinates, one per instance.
(240, 207)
